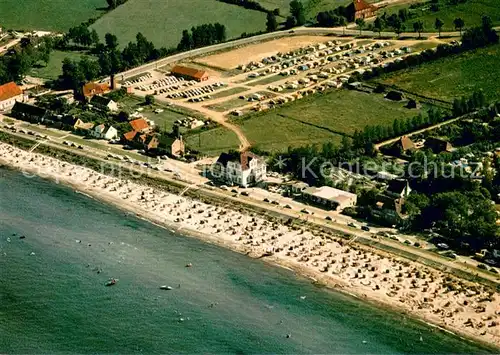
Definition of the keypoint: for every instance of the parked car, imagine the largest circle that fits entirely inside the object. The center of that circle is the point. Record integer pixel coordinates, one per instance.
(365, 228)
(443, 246)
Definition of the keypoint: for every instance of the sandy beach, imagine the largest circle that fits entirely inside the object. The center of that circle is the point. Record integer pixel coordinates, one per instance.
(462, 307)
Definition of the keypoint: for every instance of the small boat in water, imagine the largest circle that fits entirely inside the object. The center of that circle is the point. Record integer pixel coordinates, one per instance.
(165, 287)
(111, 282)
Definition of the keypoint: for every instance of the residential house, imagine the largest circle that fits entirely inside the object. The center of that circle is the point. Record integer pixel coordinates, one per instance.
(29, 113)
(129, 137)
(98, 131)
(171, 146)
(401, 146)
(438, 145)
(111, 133)
(104, 103)
(360, 9)
(390, 211)
(243, 169)
(10, 93)
(83, 126)
(329, 197)
(189, 73)
(140, 125)
(101, 132)
(91, 89)
(398, 188)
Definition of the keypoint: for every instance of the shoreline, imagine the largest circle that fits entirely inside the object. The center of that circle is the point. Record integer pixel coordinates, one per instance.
(327, 260)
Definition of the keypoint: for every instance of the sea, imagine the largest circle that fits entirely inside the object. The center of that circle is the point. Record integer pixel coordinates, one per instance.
(58, 248)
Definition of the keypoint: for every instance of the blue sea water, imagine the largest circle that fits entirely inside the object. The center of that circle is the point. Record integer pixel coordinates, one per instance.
(55, 301)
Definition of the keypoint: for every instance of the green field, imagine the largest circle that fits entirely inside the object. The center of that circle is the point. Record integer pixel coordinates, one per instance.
(212, 142)
(471, 12)
(313, 120)
(162, 22)
(49, 15)
(54, 68)
(165, 120)
(450, 78)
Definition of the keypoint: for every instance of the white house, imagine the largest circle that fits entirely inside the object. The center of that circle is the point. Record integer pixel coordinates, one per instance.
(10, 93)
(104, 103)
(242, 169)
(111, 133)
(101, 132)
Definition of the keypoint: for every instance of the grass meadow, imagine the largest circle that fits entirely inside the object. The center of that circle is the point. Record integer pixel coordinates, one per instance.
(162, 22)
(449, 78)
(53, 69)
(470, 11)
(48, 15)
(313, 120)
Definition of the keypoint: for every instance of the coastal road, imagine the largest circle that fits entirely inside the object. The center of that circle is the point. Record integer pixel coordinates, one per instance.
(365, 238)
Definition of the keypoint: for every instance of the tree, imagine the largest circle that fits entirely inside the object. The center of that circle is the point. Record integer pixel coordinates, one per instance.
(94, 37)
(398, 26)
(149, 99)
(111, 4)
(297, 10)
(276, 12)
(271, 24)
(438, 25)
(111, 41)
(186, 42)
(378, 25)
(89, 68)
(343, 23)
(418, 26)
(290, 22)
(403, 15)
(459, 24)
(361, 24)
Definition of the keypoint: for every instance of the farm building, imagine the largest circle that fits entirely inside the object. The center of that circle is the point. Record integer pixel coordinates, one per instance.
(189, 73)
(360, 9)
(10, 93)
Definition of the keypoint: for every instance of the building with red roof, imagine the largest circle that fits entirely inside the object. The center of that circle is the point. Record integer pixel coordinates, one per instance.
(189, 73)
(140, 125)
(10, 93)
(360, 9)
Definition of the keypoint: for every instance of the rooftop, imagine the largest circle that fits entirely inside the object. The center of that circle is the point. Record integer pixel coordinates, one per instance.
(9, 90)
(329, 193)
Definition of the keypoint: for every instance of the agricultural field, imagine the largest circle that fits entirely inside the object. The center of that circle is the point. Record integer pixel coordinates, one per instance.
(313, 120)
(470, 11)
(449, 78)
(48, 15)
(53, 69)
(162, 22)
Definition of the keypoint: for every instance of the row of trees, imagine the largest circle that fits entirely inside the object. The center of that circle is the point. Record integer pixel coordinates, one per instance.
(250, 4)
(297, 15)
(373, 134)
(110, 60)
(203, 35)
(113, 4)
(469, 104)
